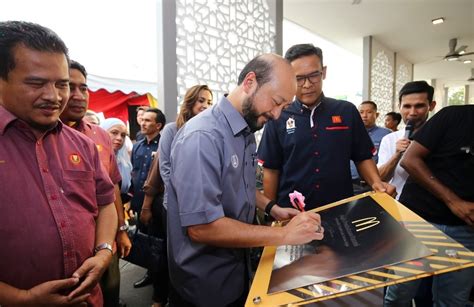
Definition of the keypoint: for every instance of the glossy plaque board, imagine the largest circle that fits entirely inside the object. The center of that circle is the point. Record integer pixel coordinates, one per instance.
(448, 255)
(358, 236)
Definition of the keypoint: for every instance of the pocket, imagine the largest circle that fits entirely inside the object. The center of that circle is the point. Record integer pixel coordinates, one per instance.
(79, 186)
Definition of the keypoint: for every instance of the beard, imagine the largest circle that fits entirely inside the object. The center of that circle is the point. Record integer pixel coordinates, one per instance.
(251, 115)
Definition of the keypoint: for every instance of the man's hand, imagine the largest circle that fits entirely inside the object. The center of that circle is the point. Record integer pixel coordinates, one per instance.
(401, 145)
(145, 216)
(52, 293)
(123, 243)
(304, 228)
(384, 187)
(282, 214)
(464, 210)
(91, 271)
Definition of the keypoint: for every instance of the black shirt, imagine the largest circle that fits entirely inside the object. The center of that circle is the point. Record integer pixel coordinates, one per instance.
(449, 136)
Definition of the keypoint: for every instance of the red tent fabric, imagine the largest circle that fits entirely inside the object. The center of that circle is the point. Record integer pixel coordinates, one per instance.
(115, 104)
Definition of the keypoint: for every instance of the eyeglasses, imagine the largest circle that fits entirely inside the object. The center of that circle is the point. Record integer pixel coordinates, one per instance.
(314, 77)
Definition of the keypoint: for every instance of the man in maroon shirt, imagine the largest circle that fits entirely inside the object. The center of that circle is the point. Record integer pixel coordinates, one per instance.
(58, 220)
(73, 116)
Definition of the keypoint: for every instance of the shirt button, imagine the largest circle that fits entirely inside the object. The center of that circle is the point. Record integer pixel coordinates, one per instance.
(315, 135)
(317, 186)
(316, 153)
(63, 224)
(54, 197)
(38, 143)
(317, 170)
(45, 170)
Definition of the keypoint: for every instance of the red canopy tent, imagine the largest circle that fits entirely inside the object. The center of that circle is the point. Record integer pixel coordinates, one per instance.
(116, 104)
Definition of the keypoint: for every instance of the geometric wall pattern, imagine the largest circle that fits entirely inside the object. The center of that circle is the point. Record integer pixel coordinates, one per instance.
(216, 38)
(402, 77)
(381, 84)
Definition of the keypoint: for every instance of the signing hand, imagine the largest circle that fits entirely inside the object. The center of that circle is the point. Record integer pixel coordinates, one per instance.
(304, 228)
(91, 271)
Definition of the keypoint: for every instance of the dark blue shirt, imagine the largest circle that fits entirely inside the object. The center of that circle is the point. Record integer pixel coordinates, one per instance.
(314, 160)
(142, 155)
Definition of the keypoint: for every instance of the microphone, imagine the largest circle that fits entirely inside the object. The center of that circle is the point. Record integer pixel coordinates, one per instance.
(409, 129)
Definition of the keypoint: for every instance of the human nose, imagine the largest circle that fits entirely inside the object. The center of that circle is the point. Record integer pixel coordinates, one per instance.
(52, 93)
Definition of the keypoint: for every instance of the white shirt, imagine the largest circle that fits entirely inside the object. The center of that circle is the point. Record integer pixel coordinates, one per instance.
(386, 150)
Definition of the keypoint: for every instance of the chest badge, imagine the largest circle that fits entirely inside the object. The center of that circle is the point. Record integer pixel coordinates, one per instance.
(336, 119)
(234, 160)
(290, 125)
(99, 147)
(75, 158)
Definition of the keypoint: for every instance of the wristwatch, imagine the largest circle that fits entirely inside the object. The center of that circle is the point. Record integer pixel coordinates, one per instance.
(124, 227)
(103, 246)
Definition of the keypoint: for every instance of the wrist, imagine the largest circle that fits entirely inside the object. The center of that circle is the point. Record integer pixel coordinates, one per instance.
(269, 207)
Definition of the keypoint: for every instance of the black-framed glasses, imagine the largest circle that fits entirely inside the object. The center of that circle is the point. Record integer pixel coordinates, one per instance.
(314, 77)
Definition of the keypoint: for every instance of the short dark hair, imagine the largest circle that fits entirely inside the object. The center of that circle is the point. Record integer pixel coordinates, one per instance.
(261, 67)
(160, 117)
(373, 104)
(30, 35)
(395, 116)
(76, 65)
(416, 87)
(302, 50)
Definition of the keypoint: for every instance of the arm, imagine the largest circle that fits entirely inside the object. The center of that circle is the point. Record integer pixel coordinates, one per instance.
(271, 178)
(413, 162)
(123, 242)
(386, 169)
(93, 268)
(227, 232)
(369, 172)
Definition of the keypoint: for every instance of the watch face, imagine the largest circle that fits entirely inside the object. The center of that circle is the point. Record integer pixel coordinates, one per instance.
(123, 227)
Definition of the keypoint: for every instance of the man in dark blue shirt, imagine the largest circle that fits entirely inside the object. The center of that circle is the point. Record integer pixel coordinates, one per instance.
(143, 152)
(309, 147)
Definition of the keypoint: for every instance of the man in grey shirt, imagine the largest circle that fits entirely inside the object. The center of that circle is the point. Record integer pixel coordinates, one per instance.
(212, 193)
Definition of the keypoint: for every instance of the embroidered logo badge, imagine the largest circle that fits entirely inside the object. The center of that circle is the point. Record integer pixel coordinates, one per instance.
(75, 158)
(336, 119)
(235, 161)
(290, 125)
(99, 147)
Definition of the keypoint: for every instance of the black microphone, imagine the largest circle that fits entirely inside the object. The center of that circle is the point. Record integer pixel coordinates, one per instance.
(409, 129)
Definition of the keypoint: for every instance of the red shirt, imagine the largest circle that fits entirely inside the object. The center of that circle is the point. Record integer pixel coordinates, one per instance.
(50, 190)
(104, 145)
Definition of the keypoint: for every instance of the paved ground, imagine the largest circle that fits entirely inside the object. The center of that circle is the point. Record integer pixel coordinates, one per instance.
(130, 273)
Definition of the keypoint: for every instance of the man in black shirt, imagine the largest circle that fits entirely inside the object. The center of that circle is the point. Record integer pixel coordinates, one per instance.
(440, 162)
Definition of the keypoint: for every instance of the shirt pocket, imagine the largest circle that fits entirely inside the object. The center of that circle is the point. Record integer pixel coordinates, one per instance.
(79, 187)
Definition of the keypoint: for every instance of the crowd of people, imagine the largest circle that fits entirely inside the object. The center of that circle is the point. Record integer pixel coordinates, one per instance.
(71, 182)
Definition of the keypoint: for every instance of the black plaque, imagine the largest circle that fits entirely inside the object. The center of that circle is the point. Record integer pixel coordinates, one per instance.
(358, 236)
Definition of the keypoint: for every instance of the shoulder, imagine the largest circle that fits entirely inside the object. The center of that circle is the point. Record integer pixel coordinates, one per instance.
(73, 136)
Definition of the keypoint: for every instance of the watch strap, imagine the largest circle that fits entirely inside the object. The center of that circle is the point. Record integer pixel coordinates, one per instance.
(269, 206)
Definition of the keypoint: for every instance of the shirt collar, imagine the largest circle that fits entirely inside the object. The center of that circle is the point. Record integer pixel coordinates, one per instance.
(236, 121)
(6, 118)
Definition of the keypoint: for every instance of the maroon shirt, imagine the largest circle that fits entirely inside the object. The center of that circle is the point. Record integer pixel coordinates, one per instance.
(104, 145)
(50, 190)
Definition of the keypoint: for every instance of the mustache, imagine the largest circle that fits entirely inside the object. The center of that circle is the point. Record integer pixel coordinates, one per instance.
(48, 105)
